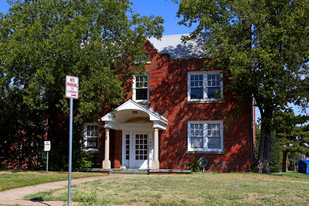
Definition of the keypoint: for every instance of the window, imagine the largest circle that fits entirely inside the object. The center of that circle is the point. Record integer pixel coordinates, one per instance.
(205, 136)
(205, 86)
(140, 87)
(91, 137)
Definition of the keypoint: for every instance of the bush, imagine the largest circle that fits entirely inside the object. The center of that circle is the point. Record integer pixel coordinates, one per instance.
(59, 157)
(195, 165)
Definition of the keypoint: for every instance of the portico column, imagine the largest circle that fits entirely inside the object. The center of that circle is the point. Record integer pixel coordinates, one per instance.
(106, 163)
(155, 162)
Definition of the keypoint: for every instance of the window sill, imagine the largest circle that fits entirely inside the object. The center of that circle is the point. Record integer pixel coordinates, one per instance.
(91, 150)
(205, 102)
(141, 101)
(205, 152)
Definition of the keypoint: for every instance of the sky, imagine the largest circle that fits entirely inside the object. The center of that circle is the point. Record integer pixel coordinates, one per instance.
(167, 10)
(164, 8)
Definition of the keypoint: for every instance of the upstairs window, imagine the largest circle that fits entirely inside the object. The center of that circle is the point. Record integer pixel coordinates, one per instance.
(141, 87)
(205, 136)
(205, 86)
(91, 137)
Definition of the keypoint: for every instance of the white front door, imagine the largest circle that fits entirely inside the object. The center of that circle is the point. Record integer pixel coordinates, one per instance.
(137, 150)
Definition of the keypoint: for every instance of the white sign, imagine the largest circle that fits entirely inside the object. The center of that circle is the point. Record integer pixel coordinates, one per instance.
(71, 87)
(46, 146)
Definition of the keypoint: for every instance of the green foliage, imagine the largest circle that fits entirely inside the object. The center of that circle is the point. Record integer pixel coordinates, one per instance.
(264, 45)
(195, 165)
(275, 154)
(21, 129)
(42, 41)
(45, 40)
(59, 157)
(293, 138)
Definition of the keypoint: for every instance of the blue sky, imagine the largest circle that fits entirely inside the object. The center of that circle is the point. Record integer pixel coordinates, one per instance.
(164, 8)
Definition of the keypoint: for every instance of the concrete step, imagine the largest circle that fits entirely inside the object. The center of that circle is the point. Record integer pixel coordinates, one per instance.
(129, 171)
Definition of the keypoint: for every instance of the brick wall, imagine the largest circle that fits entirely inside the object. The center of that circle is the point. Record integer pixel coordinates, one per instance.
(168, 97)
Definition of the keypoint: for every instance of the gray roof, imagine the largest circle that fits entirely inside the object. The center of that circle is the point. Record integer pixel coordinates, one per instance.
(173, 45)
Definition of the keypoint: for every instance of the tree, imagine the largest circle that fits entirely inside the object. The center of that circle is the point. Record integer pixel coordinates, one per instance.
(264, 45)
(275, 153)
(292, 136)
(42, 41)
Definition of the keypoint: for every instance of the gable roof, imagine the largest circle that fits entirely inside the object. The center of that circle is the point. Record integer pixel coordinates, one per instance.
(124, 112)
(174, 46)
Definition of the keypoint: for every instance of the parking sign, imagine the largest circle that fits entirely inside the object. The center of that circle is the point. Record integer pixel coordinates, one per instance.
(71, 87)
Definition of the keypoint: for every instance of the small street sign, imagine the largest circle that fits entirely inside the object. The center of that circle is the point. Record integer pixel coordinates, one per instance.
(71, 87)
(46, 146)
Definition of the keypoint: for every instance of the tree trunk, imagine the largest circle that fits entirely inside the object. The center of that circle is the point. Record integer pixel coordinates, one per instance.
(284, 157)
(265, 143)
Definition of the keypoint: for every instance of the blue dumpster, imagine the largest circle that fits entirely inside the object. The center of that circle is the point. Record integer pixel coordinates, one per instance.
(303, 166)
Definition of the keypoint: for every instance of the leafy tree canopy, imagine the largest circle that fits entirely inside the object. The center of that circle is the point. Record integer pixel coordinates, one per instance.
(292, 134)
(265, 45)
(41, 41)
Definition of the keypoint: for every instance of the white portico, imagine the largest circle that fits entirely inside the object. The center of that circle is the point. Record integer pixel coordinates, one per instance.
(140, 135)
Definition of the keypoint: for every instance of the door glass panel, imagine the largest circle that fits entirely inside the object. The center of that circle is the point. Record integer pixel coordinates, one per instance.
(141, 147)
(127, 146)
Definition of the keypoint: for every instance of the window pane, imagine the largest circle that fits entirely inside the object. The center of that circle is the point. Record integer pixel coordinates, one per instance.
(127, 146)
(141, 94)
(213, 92)
(213, 80)
(196, 93)
(214, 143)
(196, 142)
(92, 136)
(92, 142)
(196, 80)
(141, 82)
(214, 130)
(196, 130)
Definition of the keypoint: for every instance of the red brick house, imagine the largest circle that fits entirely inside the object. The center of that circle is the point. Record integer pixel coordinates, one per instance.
(174, 112)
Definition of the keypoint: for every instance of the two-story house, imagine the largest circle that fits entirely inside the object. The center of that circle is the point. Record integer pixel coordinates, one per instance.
(176, 111)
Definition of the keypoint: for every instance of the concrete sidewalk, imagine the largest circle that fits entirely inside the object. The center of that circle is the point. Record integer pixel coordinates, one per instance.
(15, 196)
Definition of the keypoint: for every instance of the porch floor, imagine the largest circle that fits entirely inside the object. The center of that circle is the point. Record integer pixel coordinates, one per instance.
(136, 171)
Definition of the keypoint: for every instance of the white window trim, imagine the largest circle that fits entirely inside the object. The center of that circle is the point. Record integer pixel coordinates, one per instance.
(85, 139)
(134, 88)
(205, 138)
(204, 73)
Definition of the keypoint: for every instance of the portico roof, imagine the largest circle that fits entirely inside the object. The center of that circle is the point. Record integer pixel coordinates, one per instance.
(131, 111)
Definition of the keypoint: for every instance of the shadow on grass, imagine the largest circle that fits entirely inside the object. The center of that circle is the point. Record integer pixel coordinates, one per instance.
(292, 174)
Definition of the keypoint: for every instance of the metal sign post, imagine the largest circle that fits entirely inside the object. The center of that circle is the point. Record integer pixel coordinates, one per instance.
(70, 149)
(47, 149)
(47, 162)
(71, 91)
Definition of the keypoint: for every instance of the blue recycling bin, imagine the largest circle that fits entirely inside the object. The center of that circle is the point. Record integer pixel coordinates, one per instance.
(303, 166)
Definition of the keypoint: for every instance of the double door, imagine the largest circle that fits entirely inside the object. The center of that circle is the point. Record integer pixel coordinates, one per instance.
(137, 150)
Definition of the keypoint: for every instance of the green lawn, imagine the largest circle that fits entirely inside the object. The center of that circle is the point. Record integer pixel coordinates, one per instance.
(293, 175)
(196, 189)
(10, 180)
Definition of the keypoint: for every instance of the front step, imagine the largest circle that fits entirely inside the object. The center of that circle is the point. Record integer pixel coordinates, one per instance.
(129, 171)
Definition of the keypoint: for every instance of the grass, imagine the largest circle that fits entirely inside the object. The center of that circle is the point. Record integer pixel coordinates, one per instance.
(293, 175)
(11, 180)
(196, 189)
